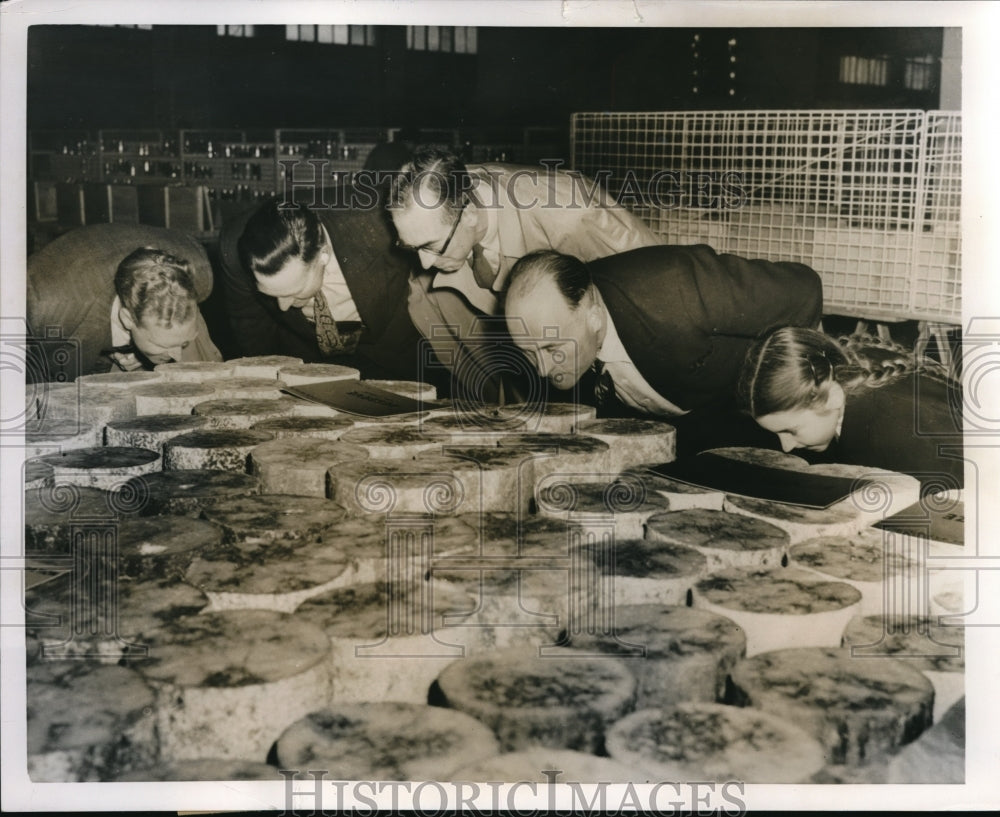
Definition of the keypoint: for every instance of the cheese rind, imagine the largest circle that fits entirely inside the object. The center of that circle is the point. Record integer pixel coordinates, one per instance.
(859, 709)
(634, 442)
(171, 397)
(708, 741)
(151, 430)
(726, 539)
(103, 467)
(268, 518)
(187, 491)
(302, 373)
(298, 465)
(221, 450)
(242, 412)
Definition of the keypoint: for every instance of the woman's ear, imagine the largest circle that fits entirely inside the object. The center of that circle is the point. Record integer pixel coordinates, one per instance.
(836, 399)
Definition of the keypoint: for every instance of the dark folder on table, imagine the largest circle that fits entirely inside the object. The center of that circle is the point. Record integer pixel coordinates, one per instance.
(356, 397)
(733, 476)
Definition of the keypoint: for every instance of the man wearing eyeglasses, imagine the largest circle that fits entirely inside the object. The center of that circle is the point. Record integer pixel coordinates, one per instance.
(469, 225)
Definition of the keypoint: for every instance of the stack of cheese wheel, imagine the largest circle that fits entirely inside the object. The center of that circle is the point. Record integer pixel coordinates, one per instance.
(562, 699)
(882, 576)
(276, 575)
(680, 495)
(861, 710)
(709, 741)
(780, 608)
(382, 643)
(228, 684)
(263, 366)
(726, 539)
(101, 467)
(526, 578)
(171, 397)
(301, 374)
(195, 371)
(676, 653)
(151, 430)
(298, 465)
(624, 502)
(633, 441)
(223, 450)
(241, 412)
(647, 572)
(87, 722)
(329, 428)
(152, 547)
(549, 418)
(269, 518)
(188, 491)
(50, 436)
(385, 741)
(50, 511)
(934, 649)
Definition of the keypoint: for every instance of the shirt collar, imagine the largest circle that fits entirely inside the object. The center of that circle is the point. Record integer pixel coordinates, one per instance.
(120, 336)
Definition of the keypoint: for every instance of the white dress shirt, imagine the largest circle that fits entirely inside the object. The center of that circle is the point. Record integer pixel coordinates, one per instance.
(335, 290)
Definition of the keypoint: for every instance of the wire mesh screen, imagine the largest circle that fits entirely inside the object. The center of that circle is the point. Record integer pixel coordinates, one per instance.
(869, 199)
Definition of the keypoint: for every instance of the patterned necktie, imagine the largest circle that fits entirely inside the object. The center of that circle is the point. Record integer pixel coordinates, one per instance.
(484, 274)
(327, 336)
(604, 386)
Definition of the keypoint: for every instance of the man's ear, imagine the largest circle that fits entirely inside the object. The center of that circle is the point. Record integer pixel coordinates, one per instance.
(470, 215)
(595, 316)
(127, 318)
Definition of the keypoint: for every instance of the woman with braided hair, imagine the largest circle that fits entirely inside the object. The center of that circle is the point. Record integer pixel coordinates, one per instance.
(860, 401)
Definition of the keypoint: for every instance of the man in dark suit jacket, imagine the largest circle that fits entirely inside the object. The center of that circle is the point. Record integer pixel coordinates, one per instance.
(276, 260)
(667, 326)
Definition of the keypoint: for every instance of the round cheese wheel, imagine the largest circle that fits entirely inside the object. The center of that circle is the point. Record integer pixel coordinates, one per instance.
(937, 756)
(501, 478)
(186, 492)
(383, 647)
(275, 576)
(920, 642)
(576, 457)
(643, 571)
(859, 709)
(398, 441)
(222, 450)
(298, 465)
(385, 741)
(153, 547)
(245, 388)
(676, 653)
(171, 397)
(329, 428)
(204, 768)
(563, 699)
(624, 501)
(305, 373)
(413, 389)
(680, 495)
(101, 467)
(50, 511)
(542, 764)
(82, 622)
(151, 430)
(549, 418)
(242, 413)
(634, 441)
(764, 457)
(863, 562)
(709, 741)
(263, 366)
(433, 484)
(119, 380)
(89, 404)
(273, 517)
(467, 428)
(87, 722)
(194, 371)
(780, 608)
(726, 539)
(218, 676)
(50, 436)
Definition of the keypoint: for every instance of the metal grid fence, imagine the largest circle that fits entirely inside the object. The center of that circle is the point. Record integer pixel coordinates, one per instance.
(869, 199)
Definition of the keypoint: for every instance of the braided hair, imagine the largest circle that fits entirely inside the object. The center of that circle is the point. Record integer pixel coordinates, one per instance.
(794, 368)
(157, 286)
